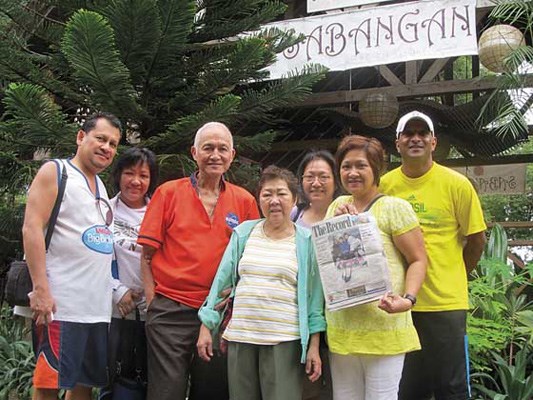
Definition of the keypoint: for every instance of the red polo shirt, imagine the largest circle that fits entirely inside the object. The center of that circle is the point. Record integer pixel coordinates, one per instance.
(190, 246)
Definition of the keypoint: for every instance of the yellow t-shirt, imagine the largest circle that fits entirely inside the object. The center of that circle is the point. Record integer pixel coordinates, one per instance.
(448, 209)
(365, 329)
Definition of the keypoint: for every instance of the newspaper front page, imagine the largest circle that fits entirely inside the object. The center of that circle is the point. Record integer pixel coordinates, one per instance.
(351, 260)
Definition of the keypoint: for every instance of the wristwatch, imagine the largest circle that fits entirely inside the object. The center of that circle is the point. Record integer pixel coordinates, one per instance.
(410, 297)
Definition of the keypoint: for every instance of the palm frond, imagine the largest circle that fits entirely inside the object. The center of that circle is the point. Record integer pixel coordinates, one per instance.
(224, 109)
(34, 120)
(259, 142)
(177, 18)
(514, 12)
(89, 46)
(137, 26)
(279, 94)
(229, 18)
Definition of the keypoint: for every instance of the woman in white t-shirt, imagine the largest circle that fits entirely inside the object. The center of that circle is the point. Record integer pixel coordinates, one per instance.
(135, 177)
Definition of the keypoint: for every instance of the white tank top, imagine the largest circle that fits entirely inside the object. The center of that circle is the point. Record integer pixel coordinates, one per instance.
(80, 253)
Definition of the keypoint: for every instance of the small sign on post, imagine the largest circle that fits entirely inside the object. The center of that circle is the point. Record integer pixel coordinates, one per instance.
(497, 179)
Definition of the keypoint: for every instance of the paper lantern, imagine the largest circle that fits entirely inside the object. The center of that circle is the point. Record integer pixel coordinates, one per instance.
(378, 110)
(496, 43)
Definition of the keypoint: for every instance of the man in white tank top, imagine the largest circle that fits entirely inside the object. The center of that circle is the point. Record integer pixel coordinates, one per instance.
(71, 297)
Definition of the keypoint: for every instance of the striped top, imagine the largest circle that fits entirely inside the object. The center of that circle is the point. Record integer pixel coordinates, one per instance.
(265, 308)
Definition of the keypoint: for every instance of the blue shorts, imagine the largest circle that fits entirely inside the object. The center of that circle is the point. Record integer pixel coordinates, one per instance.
(69, 354)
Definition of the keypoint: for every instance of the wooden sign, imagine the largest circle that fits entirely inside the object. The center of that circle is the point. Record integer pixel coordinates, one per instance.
(497, 179)
(380, 35)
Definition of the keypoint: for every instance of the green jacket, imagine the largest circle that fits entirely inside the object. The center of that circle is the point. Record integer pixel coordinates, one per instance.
(310, 295)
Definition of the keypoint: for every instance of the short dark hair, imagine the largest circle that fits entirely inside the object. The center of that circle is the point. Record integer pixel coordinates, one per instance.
(273, 172)
(90, 123)
(132, 157)
(373, 151)
(313, 155)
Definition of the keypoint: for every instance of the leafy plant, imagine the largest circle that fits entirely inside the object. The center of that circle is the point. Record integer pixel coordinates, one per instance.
(500, 322)
(16, 357)
(515, 381)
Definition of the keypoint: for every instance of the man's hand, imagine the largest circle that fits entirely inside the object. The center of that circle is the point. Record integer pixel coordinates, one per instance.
(205, 344)
(43, 305)
(128, 302)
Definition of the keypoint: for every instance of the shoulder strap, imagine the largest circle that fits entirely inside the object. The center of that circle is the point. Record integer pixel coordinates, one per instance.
(379, 196)
(299, 209)
(57, 206)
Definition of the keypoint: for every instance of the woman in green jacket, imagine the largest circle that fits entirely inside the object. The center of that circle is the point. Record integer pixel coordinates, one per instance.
(278, 304)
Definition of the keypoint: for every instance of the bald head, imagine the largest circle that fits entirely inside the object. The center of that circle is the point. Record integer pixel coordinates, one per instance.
(212, 126)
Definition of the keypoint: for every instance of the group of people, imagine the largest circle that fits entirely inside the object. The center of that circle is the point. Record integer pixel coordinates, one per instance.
(231, 304)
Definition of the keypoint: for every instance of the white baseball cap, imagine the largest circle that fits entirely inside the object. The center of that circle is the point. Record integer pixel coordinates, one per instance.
(414, 115)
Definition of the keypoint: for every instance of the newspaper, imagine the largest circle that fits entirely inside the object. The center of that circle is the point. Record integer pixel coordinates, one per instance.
(351, 260)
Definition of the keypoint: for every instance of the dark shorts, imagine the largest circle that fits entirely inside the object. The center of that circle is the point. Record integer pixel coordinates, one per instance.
(440, 369)
(69, 354)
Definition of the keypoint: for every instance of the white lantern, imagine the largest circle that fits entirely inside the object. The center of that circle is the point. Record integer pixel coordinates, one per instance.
(378, 110)
(496, 43)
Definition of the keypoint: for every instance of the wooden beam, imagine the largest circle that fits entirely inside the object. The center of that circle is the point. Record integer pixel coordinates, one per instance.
(411, 72)
(389, 75)
(513, 224)
(522, 242)
(513, 159)
(434, 70)
(414, 90)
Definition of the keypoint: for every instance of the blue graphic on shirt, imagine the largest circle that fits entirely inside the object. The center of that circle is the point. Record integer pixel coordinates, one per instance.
(98, 238)
(232, 220)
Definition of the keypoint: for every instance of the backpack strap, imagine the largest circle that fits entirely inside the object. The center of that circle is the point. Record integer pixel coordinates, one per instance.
(57, 206)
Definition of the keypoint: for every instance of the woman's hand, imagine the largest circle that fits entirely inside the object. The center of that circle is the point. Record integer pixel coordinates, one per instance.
(347, 208)
(313, 363)
(205, 344)
(393, 303)
(224, 295)
(128, 302)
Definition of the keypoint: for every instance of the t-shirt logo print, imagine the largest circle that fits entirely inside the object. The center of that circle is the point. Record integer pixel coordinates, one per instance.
(98, 238)
(232, 220)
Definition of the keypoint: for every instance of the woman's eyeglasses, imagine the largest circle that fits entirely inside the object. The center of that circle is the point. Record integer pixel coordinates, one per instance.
(311, 178)
(108, 218)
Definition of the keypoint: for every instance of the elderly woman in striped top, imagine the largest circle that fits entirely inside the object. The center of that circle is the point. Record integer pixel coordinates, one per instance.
(278, 300)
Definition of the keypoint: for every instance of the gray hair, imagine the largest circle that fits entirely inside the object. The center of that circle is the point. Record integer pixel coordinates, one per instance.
(211, 125)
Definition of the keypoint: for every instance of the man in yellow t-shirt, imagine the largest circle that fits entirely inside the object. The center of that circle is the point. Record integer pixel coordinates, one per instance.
(451, 218)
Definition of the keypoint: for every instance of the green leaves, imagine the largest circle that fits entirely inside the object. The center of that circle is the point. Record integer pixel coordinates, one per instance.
(137, 27)
(89, 46)
(34, 119)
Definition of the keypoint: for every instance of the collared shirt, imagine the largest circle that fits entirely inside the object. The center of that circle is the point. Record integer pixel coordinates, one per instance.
(189, 244)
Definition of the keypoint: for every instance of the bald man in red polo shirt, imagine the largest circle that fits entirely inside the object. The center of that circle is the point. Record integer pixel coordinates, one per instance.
(184, 233)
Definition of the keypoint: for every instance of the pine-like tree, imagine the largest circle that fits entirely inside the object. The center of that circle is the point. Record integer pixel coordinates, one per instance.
(164, 67)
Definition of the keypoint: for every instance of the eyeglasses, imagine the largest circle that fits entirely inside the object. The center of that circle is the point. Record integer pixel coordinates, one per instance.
(109, 214)
(311, 178)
